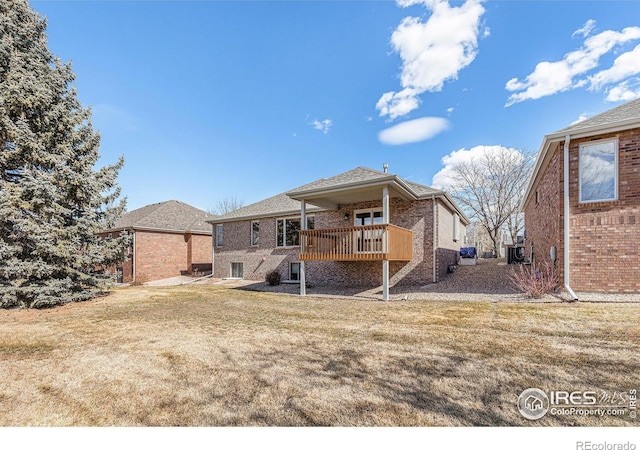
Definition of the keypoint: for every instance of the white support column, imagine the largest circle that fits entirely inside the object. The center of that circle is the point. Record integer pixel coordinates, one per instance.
(303, 226)
(385, 263)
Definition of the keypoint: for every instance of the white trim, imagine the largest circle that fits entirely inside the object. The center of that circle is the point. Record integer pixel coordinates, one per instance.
(616, 174)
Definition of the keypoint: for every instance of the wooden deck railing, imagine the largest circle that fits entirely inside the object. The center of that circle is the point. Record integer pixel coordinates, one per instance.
(364, 243)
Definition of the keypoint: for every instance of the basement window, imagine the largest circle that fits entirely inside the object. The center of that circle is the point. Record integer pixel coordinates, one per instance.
(237, 270)
(598, 171)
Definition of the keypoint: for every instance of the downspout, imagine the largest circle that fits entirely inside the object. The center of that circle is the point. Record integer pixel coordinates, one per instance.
(213, 248)
(567, 286)
(435, 253)
(135, 255)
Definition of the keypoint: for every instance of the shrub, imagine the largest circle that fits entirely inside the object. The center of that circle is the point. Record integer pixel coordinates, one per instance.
(536, 282)
(273, 278)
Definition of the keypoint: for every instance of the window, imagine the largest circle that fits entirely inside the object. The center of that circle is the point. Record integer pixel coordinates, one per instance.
(219, 235)
(598, 171)
(367, 217)
(288, 231)
(294, 271)
(237, 269)
(255, 233)
(368, 241)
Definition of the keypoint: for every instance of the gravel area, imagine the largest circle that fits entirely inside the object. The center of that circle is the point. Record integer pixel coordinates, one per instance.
(488, 280)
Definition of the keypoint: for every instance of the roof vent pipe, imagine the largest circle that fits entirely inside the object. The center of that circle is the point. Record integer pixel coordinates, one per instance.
(385, 167)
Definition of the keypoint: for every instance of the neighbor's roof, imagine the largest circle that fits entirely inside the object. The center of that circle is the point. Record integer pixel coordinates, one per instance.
(289, 202)
(171, 215)
(623, 117)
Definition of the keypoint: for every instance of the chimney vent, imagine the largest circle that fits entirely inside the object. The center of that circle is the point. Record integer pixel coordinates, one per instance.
(385, 167)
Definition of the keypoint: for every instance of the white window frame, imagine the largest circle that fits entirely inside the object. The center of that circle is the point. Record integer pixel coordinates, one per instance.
(219, 235)
(371, 241)
(255, 237)
(616, 173)
(284, 228)
(367, 210)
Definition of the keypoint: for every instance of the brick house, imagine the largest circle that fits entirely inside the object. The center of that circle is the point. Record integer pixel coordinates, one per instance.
(169, 239)
(355, 229)
(582, 204)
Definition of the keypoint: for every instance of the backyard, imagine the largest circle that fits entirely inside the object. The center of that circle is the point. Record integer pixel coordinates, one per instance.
(211, 355)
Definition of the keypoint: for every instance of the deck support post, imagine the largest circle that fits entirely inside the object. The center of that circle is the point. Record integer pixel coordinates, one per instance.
(385, 262)
(303, 226)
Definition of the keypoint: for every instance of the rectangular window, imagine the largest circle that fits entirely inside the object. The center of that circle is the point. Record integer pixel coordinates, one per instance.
(288, 231)
(598, 171)
(294, 271)
(219, 235)
(255, 233)
(237, 270)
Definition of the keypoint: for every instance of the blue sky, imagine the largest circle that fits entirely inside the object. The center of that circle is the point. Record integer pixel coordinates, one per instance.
(213, 99)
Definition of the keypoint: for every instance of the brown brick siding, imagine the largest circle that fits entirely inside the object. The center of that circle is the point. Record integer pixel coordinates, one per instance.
(257, 261)
(544, 215)
(604, 236)
(157, 255)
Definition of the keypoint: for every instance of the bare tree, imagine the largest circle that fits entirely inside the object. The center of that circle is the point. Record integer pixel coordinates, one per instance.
(226, 205)
(489, 187)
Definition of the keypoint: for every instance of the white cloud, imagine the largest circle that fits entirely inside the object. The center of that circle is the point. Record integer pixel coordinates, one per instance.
(443, 179)
(624, 66)
(322, 125)
(586, 29)
(413, 131)
(552, 77)
(626, 91)
(432, 52)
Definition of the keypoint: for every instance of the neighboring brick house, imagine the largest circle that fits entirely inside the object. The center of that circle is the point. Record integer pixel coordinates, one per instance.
(595, 164)
(169, 239)
(362, 226)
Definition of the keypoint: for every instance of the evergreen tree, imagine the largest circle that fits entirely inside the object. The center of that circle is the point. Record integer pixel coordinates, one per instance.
(53, 200)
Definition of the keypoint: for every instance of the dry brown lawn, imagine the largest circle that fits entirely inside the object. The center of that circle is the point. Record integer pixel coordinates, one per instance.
(214, 356)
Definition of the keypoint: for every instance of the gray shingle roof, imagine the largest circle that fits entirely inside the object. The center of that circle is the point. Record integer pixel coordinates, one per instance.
(283, 204)
(357, 175)
(280, 204)
(362, 175)
(170, 215)
(623, 113)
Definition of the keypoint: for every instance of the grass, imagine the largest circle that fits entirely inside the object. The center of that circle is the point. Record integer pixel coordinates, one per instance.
(213, 356)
